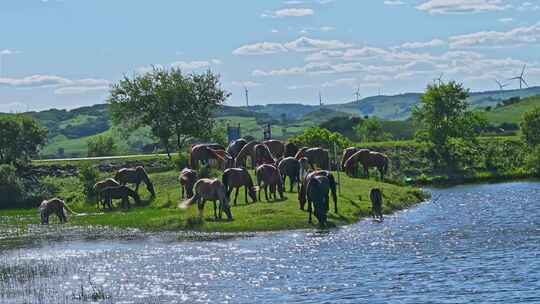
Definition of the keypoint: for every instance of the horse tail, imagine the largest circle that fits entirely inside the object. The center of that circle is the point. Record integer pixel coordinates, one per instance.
(386, 163)
(190, 202)
(134, 194)
(66, 209)
(225, 180)
(333, 189)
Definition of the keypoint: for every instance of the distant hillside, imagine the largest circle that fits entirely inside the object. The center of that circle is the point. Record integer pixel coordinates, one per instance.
(514, 112)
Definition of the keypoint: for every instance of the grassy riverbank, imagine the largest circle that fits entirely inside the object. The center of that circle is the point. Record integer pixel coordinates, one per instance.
(161, 214)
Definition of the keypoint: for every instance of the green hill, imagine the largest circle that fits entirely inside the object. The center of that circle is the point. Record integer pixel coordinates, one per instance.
(514, 112)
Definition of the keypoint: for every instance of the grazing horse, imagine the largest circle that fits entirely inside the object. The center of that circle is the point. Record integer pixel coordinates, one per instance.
(54, 206)
(316, 156)
(291, 149)
(120, 192)
(187, 179)
(99, 186)
(268, 176)
(347, 153)
(204, 152)
(247, 151)
(263, 155)
(276, 147)
(135, 176)
(304, 167)
(318, 187)
(237, 178)
(209, 189)
(290, 167)
(303, 188)
(350, 165)
(235, 146)
(368, 159)
(376, 204)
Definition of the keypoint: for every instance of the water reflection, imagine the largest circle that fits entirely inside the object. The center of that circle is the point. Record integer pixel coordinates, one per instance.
(476, 243)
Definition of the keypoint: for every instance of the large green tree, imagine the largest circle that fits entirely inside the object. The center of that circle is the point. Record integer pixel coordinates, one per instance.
(101, 145)
(371, 130)
(530, 127)
(173, 104)
(20, 138)
(444, 117)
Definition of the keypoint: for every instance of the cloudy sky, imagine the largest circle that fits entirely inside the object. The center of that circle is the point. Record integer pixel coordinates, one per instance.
(66, 53)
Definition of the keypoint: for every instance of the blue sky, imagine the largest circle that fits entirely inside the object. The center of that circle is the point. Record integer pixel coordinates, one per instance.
(66, 53)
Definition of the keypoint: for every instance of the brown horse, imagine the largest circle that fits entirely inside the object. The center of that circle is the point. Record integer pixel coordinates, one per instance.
(187, 179)
(376, 204)
(304, 167)
(317, 190)
(316, 156)
(347, 153)
(54, 206)
(290, 167)
(212, 190)
(350, 165)
(135, 176)
(290, 150)
(368, 159)
(268, 176)
(120, 192)
(237, 178)
(204, 152)
(247, 151)
(263, 155)
(303, 188)
(235, 146)
(99, 186)
(276, 147)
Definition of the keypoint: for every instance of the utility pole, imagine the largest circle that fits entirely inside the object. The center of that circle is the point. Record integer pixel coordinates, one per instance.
(320, 100)
(247, 96)
(357, 94)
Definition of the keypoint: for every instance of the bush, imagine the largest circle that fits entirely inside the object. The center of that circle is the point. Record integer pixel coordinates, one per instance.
(11, 187)
(533, 161)
(88, 176)
(530, 127)
(181, 160)
(101, 146)
(319, 137)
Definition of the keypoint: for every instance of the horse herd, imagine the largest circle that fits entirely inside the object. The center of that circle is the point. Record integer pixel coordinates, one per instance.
(273, 162)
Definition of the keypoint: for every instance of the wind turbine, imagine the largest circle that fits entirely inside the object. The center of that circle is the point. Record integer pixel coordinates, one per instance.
(501, 85)
(357, 94)
(439, 79)
(520, 78)
(320, 100)
(247, 96)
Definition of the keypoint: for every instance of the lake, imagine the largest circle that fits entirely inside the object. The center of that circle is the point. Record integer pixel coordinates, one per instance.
(471, 244)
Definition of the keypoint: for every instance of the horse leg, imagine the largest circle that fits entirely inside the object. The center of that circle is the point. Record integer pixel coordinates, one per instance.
(200, 205)
(266, 192)
(137, 187)
(291, 182)
(236, 195)
(309, 211)
(246, 194)
(215, 210)
(182, 191)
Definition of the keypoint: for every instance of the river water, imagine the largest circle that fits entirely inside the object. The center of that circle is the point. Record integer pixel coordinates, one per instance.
(471, 244)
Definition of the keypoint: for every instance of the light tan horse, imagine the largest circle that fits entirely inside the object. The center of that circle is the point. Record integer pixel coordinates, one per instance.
(54, 206)
(235, 178)
(268, 176)
(276, 147)
(247, 151)
(100, 186)
(187, 179)
(212, 190)
(204, 153)
(135, 176)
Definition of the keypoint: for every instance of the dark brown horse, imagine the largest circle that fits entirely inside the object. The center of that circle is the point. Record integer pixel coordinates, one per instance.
(247, 151)
(237, 178)
(347, 153)
(368, 159)
(235, 146)
(315, 156)
(187, 179)
(376, 204)
(120, 192)
(268, 176)
(290, 167)
(317, 190)
(303, 188)
(99, 186)
(290, 150)
(212, 190)
(204, 152)
(350, 165)
(54, 206)
(263, 155)
(276, 147)
(135, 176)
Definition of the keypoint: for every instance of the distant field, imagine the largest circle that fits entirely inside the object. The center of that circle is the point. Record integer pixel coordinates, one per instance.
(513, 113)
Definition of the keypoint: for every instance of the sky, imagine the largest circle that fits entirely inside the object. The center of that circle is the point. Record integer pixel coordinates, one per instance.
(66, 53)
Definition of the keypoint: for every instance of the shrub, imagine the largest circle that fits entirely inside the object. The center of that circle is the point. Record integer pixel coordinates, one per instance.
(101, 146)
(530, 127)
(319, 137)
(11, 187)
(181, 160)
(88, 175)
(533, 161)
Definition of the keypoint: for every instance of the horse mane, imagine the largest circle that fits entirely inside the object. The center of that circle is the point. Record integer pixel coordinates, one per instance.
(301, 153)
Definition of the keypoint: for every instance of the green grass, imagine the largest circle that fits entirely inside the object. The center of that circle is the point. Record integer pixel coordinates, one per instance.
(513, 113)
(161, 214)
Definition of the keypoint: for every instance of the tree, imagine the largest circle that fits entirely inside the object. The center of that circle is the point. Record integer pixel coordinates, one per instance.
(20, 139)
(371, 130)
(319, 137)
(101, 146)
(170, 103)
(443, 115)
(530, 127)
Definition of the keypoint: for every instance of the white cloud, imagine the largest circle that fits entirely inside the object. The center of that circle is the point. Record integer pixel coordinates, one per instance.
(394, 2)
(62, 85)
(261, 48)
(190, 65)
(347, 82)
(247, 84)
(80, 90)
(8, 52)
(506, 20)
(515, 37)
(327, 28)
(13, 107)
(305, 44)
(34, 81)
(419, 45)
(461, 6)
(289, 12)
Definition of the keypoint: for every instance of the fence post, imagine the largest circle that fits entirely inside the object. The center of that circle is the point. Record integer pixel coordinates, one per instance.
(337, 168)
